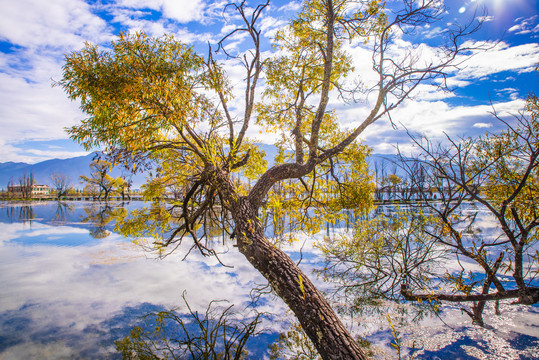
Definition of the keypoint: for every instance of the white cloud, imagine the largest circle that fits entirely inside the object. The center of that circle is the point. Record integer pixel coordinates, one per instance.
(134, 20)
(432, 33)
(487, 18)
(482, 125)
(431, 118)
(34, 110)
(427, 92)
(509, 89)
(54, 23)
(16, 153)
(505, 79)
(140, 21)
(9, 152)
(525, 26)
(291, 6)
(182, 11)
(30, 108)
(56, 154)
(439, 117)
(477, 64)
(269, 25)
(511, 92)
(514, 28)
(501, 57)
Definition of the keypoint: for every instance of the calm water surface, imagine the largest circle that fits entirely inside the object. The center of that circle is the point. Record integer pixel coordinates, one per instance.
(70, 287)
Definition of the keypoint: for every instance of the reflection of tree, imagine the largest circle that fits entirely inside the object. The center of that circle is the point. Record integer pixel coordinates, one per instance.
(63, 209)
(26, 213)
(23, 213)
(293, 344)
(385, 252)
(214, 335)
(99, 215)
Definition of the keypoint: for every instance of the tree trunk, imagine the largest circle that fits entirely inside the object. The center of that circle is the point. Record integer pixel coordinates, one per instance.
(477, 313)
(314, 313)
(524, 296)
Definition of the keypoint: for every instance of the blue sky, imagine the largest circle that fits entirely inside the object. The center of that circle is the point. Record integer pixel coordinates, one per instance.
(35, 35)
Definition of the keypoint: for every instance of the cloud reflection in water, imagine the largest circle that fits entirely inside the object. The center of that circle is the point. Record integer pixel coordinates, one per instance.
(68, 292)
(62, 288)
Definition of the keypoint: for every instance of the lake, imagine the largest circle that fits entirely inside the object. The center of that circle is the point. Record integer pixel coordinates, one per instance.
(71, 286)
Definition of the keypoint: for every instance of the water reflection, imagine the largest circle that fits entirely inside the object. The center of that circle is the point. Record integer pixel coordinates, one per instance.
(63, 212)
(219, 333)
(71, 287)
(99, 216)
(22, 213)
(68, 293)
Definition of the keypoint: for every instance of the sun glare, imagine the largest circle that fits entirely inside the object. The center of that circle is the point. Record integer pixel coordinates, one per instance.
(502, 10)
(496, 5)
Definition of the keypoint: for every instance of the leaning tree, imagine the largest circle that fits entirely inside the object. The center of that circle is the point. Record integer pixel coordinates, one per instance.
(155, 102)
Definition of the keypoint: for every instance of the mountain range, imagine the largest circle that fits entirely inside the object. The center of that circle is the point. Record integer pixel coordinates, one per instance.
(74, 167)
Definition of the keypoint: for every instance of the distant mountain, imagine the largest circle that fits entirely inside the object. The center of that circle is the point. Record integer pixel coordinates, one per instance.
(73, 168)
(11, 166)
(77, 166)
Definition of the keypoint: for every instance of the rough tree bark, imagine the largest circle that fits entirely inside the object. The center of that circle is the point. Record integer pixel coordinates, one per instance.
(317, 318)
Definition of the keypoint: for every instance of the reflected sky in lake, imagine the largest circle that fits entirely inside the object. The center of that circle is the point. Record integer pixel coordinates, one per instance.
(70, 287)
(64, 291)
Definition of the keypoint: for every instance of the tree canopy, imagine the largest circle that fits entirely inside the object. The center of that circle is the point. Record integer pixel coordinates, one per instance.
(155, 102)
